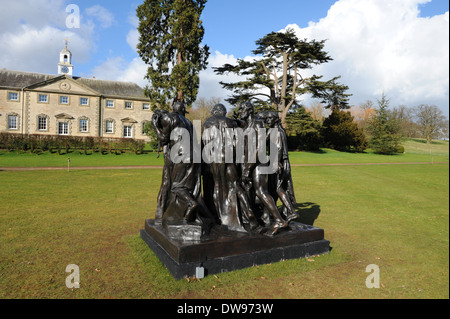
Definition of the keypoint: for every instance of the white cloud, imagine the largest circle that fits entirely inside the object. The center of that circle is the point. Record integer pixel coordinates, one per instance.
(377, 46)
(135, 72)
(36, 13)
(133, 39)
(102, 15)
(33, 33)
(209, 81)
(28, 48)
(118, 69)
(384, 46)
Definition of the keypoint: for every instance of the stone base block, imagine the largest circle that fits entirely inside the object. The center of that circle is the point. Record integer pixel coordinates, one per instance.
(223, 250)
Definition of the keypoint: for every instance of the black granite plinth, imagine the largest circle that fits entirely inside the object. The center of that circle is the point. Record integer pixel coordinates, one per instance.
(223, 250)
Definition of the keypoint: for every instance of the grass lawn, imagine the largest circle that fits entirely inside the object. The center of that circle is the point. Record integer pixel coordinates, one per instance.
(416, 150)
(27, 159)
(394, 216)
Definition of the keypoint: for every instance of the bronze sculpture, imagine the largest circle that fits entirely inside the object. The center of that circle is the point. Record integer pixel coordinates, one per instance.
(218, 211)
(232, 189)
(179, 199)
(222, 189)
(280, 183)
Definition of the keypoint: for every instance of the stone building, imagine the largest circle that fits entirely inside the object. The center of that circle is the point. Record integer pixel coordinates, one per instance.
(62, 104)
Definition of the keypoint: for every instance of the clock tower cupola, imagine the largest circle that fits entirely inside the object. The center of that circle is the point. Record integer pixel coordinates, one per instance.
(65, 61)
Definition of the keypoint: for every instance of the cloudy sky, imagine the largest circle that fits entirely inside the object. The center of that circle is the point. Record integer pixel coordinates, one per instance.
(399, 47)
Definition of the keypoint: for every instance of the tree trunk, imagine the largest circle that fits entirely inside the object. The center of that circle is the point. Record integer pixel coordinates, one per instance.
(283, 118)
(180, 60)
(284, 85)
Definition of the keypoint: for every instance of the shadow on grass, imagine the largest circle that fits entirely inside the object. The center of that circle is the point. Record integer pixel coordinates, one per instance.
(308, 212)
(424, 141)
(319, 151)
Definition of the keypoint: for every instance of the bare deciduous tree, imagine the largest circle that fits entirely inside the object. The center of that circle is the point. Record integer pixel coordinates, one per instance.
(431, 121)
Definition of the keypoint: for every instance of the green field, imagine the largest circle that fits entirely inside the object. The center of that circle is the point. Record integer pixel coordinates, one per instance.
(416, 150)
(394, 216)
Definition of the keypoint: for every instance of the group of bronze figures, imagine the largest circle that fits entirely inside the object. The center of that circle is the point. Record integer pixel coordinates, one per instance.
(241, 193)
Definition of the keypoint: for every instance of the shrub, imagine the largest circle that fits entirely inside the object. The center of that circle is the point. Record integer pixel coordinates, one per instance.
(36, 143)
(341, 133)
(400, 149)
(303, 131)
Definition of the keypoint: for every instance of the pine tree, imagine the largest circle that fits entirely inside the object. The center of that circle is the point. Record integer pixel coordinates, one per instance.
(340, 132)
(384, 129)
(284, 57)
(171, 33)
(303, 131)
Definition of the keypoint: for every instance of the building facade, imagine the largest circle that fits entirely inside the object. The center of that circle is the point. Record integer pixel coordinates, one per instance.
(32, 103)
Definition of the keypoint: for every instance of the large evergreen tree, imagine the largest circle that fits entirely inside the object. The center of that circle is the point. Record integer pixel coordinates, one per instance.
(303, 130)
(276, 77)
(340, 132)
(171, 33)
(384, 129)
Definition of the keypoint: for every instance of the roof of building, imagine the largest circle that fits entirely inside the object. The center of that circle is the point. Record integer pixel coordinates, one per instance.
(20, 80)
(65, 50)
(23, 80)
(113, 88)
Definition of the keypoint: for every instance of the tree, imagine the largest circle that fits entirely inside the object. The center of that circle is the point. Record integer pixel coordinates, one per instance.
(202, 109)
(303, 131)
(431, 122)
(385, 129)
(317, 111)
(149, 130)
(171, 33)
(341, 133)
(362, 114)
(405, 116)
(275, 78)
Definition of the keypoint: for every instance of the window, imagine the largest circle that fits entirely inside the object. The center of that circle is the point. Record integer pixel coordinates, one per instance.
(109, 103)
(42, 123)
(127, 131)
(63, 128)
(63, 100)
(84, 125)
(146, 106)
(13, 96)
(43, 98)
(128, 105)
(84, 101)
(12, 122)
(109, 126)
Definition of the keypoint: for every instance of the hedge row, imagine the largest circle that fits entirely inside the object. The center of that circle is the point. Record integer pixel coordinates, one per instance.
(54, 143)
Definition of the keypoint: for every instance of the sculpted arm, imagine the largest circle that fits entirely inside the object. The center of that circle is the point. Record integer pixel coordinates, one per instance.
(162, 124)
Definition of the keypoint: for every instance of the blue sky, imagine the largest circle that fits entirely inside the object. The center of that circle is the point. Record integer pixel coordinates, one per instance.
(399, 47)
(231, 26)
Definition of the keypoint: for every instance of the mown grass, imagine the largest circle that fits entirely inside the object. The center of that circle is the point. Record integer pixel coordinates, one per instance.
(46, 159)
(396, 217)
(416, 150)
